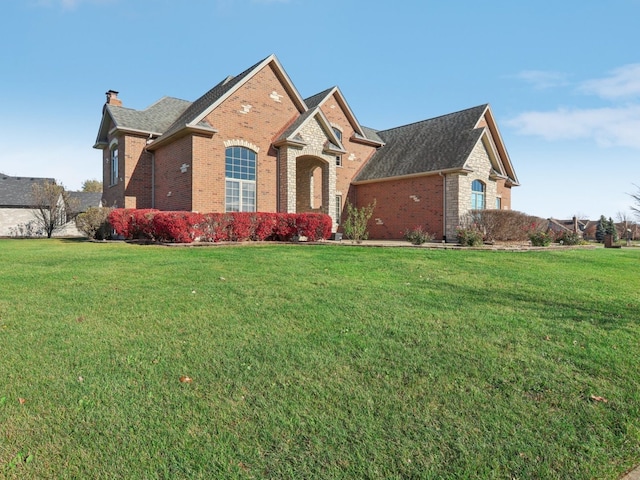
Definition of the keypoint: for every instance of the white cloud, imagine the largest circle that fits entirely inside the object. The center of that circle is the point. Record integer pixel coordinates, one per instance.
(614, 126)
(623, 82)
(541, 79)
(617, 125)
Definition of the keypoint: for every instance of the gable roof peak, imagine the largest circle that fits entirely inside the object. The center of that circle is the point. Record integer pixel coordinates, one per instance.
(194, 115)
(318, 98)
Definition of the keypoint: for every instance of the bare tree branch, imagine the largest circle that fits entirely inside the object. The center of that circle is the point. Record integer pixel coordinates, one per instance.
(51, 202)
(636, 200)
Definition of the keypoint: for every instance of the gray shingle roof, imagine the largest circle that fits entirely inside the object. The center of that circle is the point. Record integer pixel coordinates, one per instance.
(371, 134)
(82, 201)
(154, 119)
(17, 191)
(440, 143)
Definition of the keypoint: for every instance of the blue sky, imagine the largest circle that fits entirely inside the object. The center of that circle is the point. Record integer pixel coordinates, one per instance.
(562, 77)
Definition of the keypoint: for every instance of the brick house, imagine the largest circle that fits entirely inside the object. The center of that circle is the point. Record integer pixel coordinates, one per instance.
(253, 143)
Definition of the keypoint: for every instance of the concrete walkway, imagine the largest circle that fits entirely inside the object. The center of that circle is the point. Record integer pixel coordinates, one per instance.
(632, 475)
(511, 247)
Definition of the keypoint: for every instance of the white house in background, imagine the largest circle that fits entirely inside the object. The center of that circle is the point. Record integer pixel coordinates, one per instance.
(18, 215)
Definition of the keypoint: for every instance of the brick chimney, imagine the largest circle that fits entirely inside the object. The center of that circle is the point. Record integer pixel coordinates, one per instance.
(112, 98)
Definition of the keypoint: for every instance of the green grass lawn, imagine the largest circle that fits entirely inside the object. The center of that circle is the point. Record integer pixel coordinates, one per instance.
(317, 362)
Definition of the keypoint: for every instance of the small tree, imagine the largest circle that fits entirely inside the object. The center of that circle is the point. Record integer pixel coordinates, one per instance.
(611, 229)
(51, 202)
(355, 225)
(94, 186)
(94, 222)
(601, 229)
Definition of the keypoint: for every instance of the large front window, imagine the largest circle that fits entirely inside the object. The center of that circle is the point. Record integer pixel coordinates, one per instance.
(477, 195)
(240, 173)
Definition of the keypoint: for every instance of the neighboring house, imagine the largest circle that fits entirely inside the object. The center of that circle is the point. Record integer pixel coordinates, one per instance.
(252, 143)
(18, 215)
(79, 202)
(567, 226)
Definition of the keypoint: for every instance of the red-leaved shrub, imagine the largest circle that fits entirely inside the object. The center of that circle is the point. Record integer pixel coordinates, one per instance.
(215, 227)
(285, 228)
(132, 223)
(176, 227)
(314, 226)
(265, 226)
(241, 227)
(186, 227)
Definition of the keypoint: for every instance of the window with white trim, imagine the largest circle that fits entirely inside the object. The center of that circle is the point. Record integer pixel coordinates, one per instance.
(114, 167)
(338, 208)
(240, 175)
(477, 195)
(339, 135)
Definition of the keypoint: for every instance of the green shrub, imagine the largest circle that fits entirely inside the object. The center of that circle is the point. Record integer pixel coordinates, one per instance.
(355, 225)
(94, 223)
(540, 239)
(418, 235)
(569, 238)
(469, 236)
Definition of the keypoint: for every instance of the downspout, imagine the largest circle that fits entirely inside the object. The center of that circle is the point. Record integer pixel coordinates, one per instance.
(444, 207)
(153, 172)
(153, 180)
(277, 179)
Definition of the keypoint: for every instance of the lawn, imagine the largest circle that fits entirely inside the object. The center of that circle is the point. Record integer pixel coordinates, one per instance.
(317, 362)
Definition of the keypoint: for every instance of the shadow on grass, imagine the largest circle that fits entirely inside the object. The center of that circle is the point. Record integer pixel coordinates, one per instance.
(607, 314)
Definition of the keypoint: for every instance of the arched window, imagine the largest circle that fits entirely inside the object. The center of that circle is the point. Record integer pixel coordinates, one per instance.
(477, 195)
(113, 159)
(240, 173)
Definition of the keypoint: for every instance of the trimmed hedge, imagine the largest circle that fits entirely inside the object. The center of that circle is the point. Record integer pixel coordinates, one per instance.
(504, 225)
(187, 227)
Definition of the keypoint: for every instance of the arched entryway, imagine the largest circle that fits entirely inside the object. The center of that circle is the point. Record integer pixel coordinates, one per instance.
(312, 184)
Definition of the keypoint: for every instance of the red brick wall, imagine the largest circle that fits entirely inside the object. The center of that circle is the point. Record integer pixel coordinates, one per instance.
(261, 126)
(137, 173)
(403, 204)
(133, 189)
(173, 188)
(505, 193)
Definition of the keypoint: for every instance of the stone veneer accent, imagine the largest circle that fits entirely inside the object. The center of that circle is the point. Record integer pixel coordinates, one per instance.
(458, 189)
(315, 138)
(241, 143)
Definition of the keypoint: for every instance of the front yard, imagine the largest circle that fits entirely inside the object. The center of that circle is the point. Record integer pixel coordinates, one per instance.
(300, 361)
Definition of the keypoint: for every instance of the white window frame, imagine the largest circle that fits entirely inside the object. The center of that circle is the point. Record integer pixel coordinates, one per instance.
(338, 134)
(478, 195)
(240, 179)
(114, 167)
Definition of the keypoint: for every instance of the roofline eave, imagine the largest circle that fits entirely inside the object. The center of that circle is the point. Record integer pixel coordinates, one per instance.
(289, 142)
(444, 171)
(182, 132)
(366, 141)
